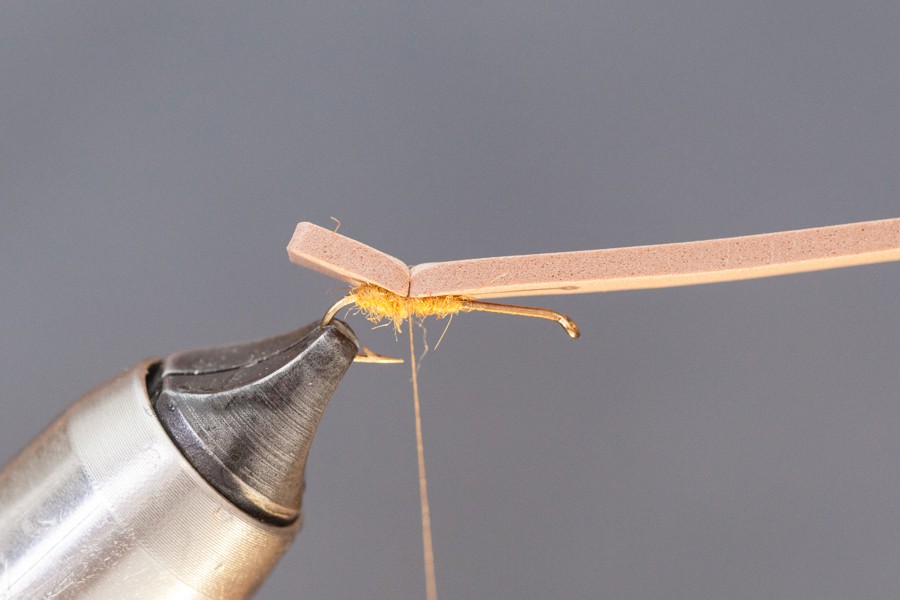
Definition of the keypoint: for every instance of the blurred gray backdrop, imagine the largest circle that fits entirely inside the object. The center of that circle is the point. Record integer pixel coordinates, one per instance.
(738, 440)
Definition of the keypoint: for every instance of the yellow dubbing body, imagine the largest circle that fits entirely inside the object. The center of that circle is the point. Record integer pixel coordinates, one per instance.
(377, 303)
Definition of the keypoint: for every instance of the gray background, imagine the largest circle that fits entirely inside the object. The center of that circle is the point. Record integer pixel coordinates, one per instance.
(738, 440)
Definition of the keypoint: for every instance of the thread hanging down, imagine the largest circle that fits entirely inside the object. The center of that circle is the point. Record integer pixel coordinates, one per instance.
(427, 548)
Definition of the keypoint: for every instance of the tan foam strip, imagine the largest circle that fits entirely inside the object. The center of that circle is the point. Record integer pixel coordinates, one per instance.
(666, 265)
(613, 269)
(338, 256)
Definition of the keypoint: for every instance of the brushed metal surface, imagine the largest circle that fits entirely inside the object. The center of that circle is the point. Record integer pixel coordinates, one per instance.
(245, 415)
(103, 505)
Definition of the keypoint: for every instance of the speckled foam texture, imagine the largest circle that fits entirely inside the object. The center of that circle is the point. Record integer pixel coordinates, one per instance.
(606, 270)
(662, 265)
(338, 256)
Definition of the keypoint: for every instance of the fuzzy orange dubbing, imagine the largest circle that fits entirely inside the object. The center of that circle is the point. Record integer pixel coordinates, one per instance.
(377, 303)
